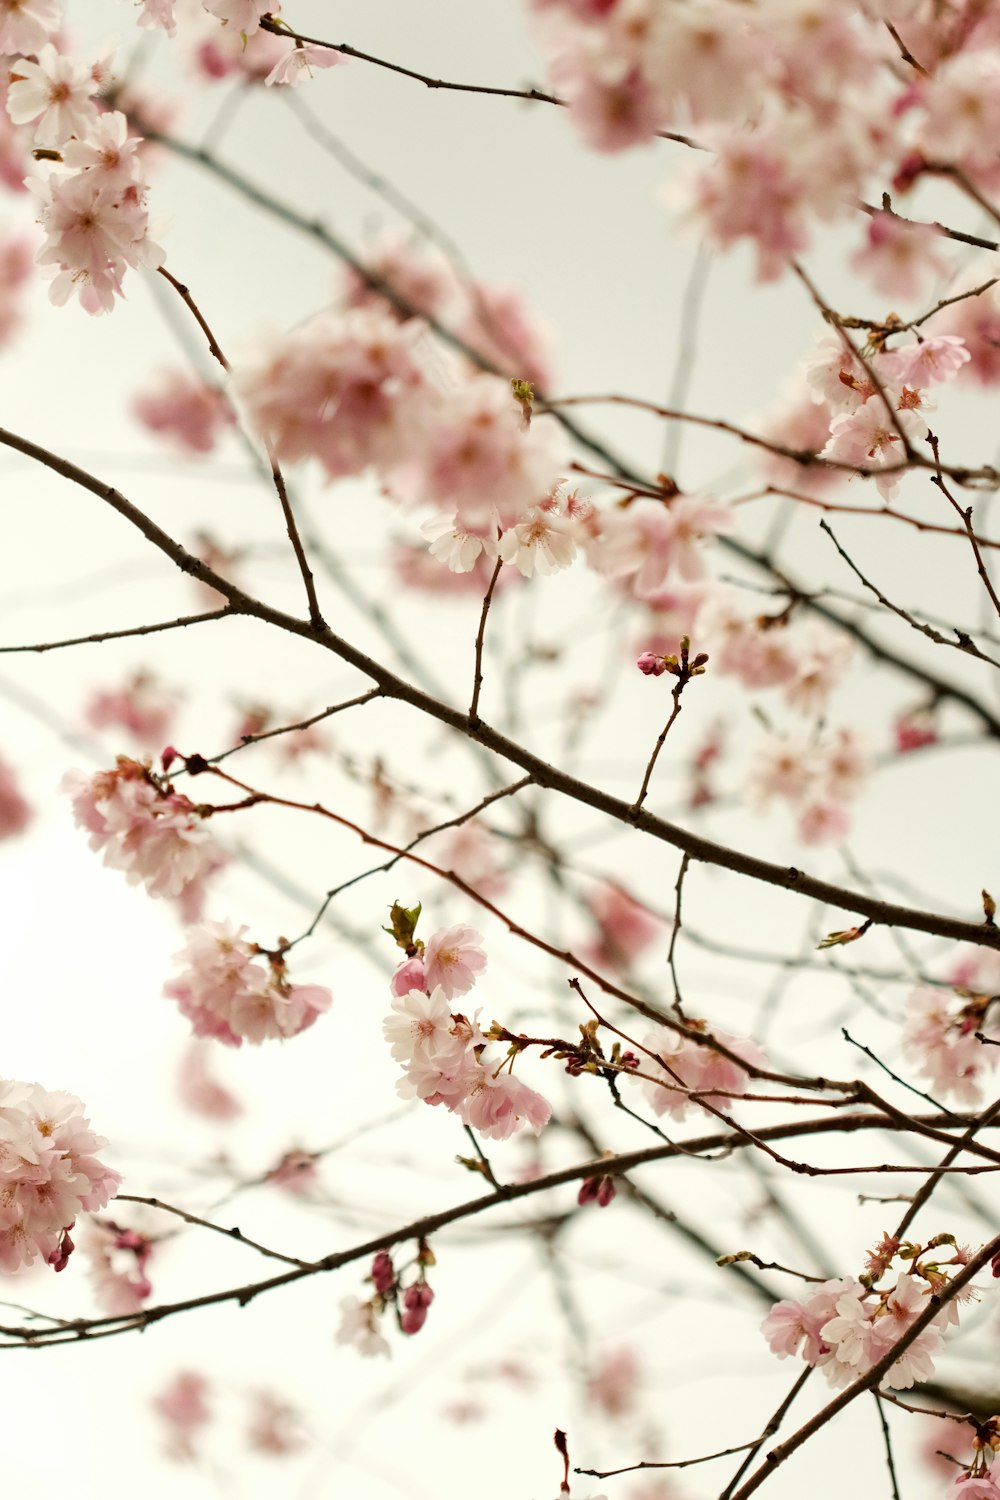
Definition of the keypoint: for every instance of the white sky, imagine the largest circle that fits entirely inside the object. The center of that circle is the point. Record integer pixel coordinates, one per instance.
(589, 240)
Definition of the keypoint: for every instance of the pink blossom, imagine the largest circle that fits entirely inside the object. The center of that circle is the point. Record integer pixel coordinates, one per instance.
(475, 453)
(472, 852)
(453, 957)
(791, 1324)
(297, 65)
(914, 731)
(689, 1067)
(227, 993)
(857, 1339)
(421, 1026)
(497, 1106)
(693, 521)
(611, 101)
(651, 665)
(868, 440)
(541, 544)
(500, 326)
(141, 706)
(202, 1093)
(241, 15)
(756, 188)
(636, 545)
(823, 823)
(26, 25)
(15, 812)
(49, 1173)
(612, 1385)
(359, 1326)
(458, 546)
(185, 409)
(56, 92)
(15, 269)
(117, 1265)
(626, 928)
(976, 320)
(144, 828)
(297, 1172)
(273, 1425)
(183, 1405)
(159, 13)
(417, 272)
(345, 389)
(899, 258)
(929, 362)
(947, 1054)
(95, 220)
(801, 423)
(410, 975)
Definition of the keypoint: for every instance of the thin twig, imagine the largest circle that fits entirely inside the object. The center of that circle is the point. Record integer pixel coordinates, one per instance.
(230, 1234)
(315, 614)
(118, 635)
(966, 518)
(965, 644)
(773, 1423)
(883, 913)
(477, 681)
(677, 1463)
(872, 1377)
(888, 1446)
(533, 95)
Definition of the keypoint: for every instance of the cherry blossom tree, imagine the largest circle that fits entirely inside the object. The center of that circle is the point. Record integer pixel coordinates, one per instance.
(504, 566)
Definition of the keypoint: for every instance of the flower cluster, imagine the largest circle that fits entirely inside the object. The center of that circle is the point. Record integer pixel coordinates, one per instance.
(359, 1323)
(681, 1067)
(117, 1262)
(227, 992)
(981, 1480)
(144, 828)
(818, 778)
(846, 1326)
(941, 1026)
(93, 200)
(443, 1053)
(185, 409)
(142, 706)
(50, 1174)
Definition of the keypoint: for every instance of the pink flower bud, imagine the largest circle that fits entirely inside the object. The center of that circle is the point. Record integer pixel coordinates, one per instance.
(59, 1259)
(416, 1300)
(651, 664)
(382, 1273)
(599, 1190)
(409, 976)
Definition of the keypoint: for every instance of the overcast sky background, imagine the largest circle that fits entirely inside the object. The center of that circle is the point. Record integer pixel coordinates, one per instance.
(589, 240)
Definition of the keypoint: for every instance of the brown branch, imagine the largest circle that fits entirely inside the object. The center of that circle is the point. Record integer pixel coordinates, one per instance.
(533, 96)
(677, 1463)
(118, 635)
(277, 478)
(774, 1422)
(965, 643)
(789, 878)
(230, 1234)
(89, 1328)
(870, 1380)
(477, 681)
(966, 518)
(927, 1188)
